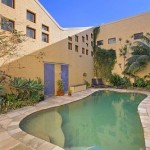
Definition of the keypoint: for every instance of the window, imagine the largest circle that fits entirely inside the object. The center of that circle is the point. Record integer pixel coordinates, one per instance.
(70, 46)
(45, 37)
(9, 3)
(83, 39)
(76, 38)
(92, 43)
(44, 27)
(87, 52)
(7, 24)
(138, 36)
(76, 48)
(87, 44)
(92, 53)
(30, 32)
(87, 37)
(100, 42)
(30, 16)
(92, 35)
(111, 40)
(69, 38)
(83, 50)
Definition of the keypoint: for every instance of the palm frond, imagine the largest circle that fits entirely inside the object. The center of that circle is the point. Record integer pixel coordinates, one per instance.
(134, 67)
(132, 59)
(143, 59)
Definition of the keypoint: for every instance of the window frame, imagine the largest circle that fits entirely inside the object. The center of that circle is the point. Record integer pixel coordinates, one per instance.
(100, 42)
(43, 25)
(112, 39)
(13, 6)
(83, 39)
(47, 37)
(87, 52)
(76, 48)
(33, 30)
(76, 38)
(83, 50)
(87, 37)
(34, 14)
(12, 21)
(69, 46)
(69, 38)
(137, 34)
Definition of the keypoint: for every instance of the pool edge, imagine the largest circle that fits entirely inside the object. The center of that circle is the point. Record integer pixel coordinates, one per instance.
(9, 123)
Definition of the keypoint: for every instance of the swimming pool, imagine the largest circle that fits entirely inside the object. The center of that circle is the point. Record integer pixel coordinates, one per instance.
(104, 120)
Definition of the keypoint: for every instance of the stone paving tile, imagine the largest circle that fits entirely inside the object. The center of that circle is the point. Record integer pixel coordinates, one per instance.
(8, 143)
(21, 147)
(4, 136)
(46, 146)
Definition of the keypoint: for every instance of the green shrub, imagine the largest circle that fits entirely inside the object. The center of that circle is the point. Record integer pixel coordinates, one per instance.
(125, 82)
(115, 80)
(27, 89)
(140, 82)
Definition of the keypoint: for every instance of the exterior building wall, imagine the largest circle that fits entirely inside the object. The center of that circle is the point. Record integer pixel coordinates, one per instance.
(18, 15)
(30, 67)
(124, 29)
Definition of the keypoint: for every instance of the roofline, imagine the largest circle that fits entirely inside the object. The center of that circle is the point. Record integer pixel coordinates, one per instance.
(126, 18)
(61, 28)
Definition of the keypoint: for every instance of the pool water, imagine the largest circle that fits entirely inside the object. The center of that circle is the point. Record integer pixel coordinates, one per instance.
(104, 120)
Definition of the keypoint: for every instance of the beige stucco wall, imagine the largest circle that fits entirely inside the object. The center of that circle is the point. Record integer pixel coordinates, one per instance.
(124, 29)
(58, 53)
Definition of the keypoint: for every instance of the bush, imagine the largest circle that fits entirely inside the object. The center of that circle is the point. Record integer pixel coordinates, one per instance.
(115, 80)
(125, 82)
(25, 92)
(140, 82)
(27, 89)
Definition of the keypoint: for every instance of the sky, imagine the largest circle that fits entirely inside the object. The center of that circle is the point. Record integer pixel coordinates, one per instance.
(82, 13)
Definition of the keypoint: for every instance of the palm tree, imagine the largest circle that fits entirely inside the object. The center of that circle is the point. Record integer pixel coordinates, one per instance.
(140, 56)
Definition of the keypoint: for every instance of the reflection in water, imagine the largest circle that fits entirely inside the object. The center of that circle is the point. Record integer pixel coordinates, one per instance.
(102, 121)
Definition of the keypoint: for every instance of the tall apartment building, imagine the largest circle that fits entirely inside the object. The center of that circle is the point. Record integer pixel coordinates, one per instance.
(67, 51)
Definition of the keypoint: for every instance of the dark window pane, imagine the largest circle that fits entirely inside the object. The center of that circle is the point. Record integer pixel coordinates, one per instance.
(45, 37)
(9, 3)
(30, 16)
(46, 28)
(76, 38)
(138, 36)
(76, 48)
(83, 50)
(111, 40)
(100, 42)
(87, 52)
(7, 25)
(83, 38)
(70, 46)
(87, 37)
(69, 38)
(30, 32)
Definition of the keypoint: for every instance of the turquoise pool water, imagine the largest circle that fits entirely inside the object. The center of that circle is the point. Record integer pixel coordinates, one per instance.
(104, 120)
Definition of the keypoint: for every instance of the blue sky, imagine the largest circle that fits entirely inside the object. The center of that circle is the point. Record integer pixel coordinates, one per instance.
(74, 13)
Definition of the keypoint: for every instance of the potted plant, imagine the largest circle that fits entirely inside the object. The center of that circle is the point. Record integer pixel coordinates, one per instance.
(60, 85)
(69, 93)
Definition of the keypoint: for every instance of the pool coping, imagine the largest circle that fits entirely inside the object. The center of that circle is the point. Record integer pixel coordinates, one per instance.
(12, 137)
